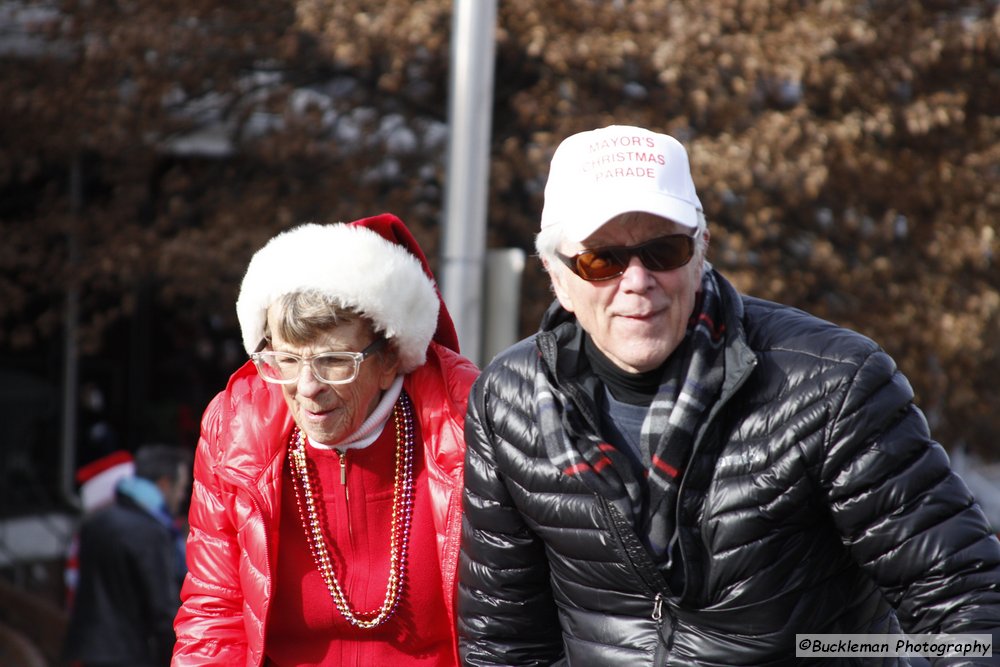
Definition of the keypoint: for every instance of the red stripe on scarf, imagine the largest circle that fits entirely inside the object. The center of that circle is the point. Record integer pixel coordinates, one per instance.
(665, 467)
(584, 467)
(716, 332)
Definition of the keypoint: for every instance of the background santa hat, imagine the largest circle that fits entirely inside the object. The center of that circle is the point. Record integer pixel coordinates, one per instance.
(99, 478)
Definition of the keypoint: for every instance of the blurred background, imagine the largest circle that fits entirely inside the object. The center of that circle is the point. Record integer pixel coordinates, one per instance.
(847, 154)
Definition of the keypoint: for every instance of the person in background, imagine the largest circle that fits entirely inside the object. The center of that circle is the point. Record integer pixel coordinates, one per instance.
(98, 481)
(326, 513)
(130, 567)
(671, 472)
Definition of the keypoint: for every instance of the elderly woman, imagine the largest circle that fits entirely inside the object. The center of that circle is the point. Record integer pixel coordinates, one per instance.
(325, 517)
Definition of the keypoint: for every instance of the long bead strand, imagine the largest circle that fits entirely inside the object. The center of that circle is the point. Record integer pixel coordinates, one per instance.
(399, 532)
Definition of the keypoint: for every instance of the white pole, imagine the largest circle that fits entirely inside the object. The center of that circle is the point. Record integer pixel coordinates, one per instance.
(470, 109)
(503, 300)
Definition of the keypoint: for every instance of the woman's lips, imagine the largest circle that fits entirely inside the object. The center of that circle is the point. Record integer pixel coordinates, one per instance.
(315, 415)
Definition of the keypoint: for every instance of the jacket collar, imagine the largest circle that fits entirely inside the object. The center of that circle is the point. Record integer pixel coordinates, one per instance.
(740, 358)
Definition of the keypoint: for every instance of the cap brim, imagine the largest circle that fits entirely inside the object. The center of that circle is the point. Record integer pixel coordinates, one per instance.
(599, 210)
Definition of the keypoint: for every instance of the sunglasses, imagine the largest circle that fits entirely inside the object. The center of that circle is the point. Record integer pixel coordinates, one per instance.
(659, 254)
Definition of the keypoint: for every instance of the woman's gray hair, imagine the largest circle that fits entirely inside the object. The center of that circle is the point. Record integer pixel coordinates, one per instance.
(301, 317)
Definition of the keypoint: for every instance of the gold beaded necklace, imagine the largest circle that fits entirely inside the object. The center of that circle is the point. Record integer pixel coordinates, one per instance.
(402, 515)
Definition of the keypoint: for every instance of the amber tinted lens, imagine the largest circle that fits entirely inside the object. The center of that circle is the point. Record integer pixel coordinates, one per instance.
(666, 253)
(601, 264)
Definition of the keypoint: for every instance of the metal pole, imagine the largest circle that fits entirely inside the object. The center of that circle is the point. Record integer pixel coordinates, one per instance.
(71, 381)
(466, 185)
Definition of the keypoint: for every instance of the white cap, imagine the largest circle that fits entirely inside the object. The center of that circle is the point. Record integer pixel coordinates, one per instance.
(599, 174)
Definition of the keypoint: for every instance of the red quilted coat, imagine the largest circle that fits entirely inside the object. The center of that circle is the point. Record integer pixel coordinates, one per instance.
(238, 468)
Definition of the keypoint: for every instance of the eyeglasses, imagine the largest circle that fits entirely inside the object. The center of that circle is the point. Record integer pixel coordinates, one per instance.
(327, 367)
(660, 254)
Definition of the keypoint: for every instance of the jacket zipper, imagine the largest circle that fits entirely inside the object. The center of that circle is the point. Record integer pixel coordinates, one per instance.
(666, 644)
(647, 573)
(661, 650)
(342, 457)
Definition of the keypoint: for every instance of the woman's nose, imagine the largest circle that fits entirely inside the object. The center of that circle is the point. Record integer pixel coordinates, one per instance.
(307, 384)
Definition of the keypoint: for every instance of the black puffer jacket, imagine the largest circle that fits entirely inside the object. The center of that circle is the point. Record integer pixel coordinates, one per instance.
(815, 502)
(129, 589)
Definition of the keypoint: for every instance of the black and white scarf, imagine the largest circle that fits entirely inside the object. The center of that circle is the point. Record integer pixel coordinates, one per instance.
(692, 379)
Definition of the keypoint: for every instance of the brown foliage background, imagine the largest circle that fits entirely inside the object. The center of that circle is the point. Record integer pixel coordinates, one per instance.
(848, 154)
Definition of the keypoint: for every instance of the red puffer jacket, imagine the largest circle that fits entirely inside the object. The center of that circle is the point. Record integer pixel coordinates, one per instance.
(237, 477)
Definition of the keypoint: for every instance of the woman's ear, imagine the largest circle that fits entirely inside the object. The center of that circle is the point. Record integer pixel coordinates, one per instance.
(388, 359)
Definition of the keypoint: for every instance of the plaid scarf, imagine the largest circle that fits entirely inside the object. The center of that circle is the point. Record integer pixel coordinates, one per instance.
(692, 378)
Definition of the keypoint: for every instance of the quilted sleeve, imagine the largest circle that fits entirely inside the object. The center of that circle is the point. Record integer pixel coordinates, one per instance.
(907, 518)
(209, 625)
(505, 611)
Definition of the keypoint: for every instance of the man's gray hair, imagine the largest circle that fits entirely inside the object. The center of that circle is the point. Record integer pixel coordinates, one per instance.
(547, 242)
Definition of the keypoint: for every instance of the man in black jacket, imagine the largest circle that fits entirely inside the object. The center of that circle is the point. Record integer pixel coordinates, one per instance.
(131, 566)
(671, 472)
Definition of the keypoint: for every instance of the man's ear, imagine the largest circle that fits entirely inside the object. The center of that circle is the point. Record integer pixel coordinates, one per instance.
(166, 486)
(706, 237)
(557, 276)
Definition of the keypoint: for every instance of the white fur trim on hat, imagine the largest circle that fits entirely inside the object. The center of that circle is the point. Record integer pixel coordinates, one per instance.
(356, 267)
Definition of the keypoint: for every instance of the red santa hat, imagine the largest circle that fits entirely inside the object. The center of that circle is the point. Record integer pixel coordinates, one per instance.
(373, 266)
(99, 478)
